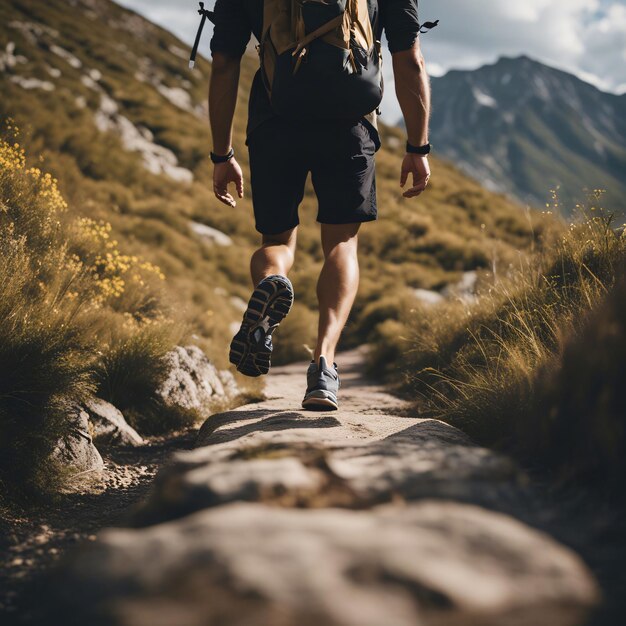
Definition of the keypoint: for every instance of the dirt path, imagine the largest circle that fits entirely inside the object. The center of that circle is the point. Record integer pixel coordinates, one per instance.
(35, 535)
(365, 516)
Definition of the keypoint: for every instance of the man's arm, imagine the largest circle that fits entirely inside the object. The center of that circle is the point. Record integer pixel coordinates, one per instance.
(223, 91)
(231, 34)
(413, 92)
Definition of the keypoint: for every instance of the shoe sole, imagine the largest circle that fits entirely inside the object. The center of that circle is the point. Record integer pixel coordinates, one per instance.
(320, 400)
(268, 306)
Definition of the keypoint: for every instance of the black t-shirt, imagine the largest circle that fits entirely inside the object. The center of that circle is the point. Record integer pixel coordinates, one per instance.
(237, 20)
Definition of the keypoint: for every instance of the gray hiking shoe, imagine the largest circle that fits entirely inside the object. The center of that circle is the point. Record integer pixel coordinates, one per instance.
(322, 386)
(251, 348)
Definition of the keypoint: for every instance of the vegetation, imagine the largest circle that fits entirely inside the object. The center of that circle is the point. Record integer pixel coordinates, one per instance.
(535, 364)
(77, 316)
(42, 346)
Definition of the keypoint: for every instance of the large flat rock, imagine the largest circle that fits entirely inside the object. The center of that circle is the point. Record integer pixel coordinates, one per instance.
(431, 563)
(366, 453)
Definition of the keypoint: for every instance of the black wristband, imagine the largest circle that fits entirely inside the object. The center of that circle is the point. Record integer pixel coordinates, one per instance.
(422, 150)
(216, 158)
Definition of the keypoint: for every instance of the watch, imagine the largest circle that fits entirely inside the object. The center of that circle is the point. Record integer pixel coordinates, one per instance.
(422, 150)
(216, 158)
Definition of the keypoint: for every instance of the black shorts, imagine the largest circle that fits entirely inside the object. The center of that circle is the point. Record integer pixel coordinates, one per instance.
(340, 157)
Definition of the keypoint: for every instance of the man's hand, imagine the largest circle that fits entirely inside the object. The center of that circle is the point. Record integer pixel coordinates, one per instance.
(223, 175)
(413, 91)
(418, 166)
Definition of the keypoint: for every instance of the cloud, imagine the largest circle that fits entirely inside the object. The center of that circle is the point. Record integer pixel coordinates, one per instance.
(605, 41)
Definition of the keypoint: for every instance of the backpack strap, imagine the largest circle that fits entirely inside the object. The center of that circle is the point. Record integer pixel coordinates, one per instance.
(316, 34)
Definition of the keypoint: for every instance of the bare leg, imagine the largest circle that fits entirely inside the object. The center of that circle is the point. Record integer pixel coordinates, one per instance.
(275, 256)
(337, 285)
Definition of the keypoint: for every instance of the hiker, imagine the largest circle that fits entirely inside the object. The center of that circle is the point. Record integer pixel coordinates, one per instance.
(312, 109)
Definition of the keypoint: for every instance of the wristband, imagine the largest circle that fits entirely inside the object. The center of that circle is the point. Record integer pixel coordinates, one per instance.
(421, 150)
(216, 158)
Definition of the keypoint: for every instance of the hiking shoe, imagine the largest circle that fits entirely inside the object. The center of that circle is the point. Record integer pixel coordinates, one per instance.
(251, 347)
(322, 386)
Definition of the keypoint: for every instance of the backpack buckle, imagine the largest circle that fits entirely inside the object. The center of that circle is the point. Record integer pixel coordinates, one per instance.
(301, 57)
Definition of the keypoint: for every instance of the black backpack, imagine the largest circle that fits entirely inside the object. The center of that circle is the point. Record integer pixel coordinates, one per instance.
(319, 58)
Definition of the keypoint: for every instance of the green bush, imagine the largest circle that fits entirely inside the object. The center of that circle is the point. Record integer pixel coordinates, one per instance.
(44, 360)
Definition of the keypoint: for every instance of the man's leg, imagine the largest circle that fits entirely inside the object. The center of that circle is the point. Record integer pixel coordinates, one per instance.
(271, 300)
(337, 285)
(275, 256)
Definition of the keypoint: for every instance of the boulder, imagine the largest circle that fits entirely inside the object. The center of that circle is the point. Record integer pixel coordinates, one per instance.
(428, 296)
(210, 236)
(464, 290)
(427, 564)
(193, 382)
(76, 451)
(184, 487)
(109, 426)
(229, 384)
(347, 459)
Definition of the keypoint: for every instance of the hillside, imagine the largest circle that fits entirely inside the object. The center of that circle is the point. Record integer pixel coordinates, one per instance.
(106, 99)
(524, 128)
(141, 484)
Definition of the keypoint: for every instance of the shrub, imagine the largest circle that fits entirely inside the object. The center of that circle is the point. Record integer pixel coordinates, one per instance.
(45, 355)
(132, 367)
(77, 316)
(531, 363)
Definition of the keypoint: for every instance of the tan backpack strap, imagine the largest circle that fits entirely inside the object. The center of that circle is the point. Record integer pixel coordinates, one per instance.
(339, 42)
(320, 32)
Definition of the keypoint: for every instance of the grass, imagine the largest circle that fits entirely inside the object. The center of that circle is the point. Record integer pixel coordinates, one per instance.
(534, 365)
(44, 360)
(45, 354)
(581, 391)
(77, 317)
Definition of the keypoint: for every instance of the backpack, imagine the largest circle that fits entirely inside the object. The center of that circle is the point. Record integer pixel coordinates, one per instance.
(319, 59)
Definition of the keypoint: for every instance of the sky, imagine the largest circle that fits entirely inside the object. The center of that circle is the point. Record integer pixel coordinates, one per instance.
(584, 37)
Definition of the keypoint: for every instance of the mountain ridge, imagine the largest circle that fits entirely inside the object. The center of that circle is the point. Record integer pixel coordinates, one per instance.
(523, 128)
(527, 58)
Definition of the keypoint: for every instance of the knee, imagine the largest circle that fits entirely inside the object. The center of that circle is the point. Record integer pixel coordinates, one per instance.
(287, 238)
(344, 248)
(340, 239)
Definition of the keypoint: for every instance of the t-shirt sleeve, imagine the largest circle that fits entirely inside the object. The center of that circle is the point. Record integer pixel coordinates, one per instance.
(401, 23)
(231, 31)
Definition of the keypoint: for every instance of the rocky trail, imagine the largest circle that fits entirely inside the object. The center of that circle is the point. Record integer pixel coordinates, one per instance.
(361, 517)
(36, 535)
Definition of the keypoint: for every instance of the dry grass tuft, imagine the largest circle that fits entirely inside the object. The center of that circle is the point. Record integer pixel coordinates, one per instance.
(77, 317)
(528, 365)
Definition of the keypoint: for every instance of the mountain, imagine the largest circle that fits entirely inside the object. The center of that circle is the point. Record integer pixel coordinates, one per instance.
(106, 103)
(523, 128)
